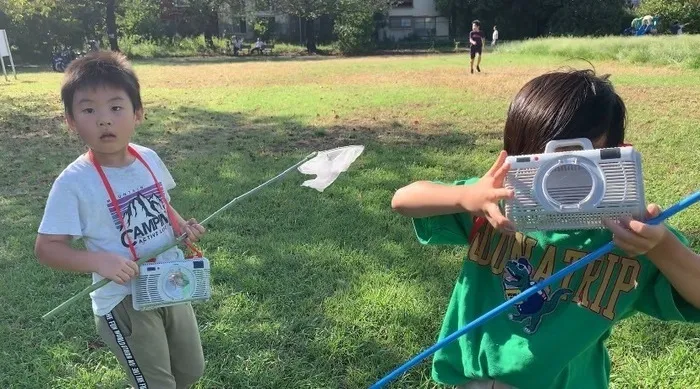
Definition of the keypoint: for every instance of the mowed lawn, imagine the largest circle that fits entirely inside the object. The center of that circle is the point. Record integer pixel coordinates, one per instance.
(316, 290)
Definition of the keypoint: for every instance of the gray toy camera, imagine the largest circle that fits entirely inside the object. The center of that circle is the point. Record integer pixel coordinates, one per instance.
(567, 190)
(163, 284)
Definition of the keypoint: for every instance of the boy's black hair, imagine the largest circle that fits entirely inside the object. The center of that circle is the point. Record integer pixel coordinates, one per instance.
(564, 105)
(97, 69)
(477, 22)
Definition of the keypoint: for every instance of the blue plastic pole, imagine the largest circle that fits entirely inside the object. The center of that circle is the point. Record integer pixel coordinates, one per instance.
(674, 209)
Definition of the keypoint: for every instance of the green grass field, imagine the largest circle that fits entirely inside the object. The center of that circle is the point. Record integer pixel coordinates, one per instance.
(316, 290)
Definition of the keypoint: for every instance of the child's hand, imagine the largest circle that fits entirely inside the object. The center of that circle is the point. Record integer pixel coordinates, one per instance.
(635, 237)
(193, 229)
(115, 267)
(482, 198)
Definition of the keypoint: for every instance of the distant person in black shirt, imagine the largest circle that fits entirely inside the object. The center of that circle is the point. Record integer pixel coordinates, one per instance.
(476, 38)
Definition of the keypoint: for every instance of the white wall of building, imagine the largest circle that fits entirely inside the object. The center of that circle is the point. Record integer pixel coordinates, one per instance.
(422, 20)
(420, 8)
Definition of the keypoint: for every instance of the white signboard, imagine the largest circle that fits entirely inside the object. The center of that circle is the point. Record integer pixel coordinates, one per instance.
(5, 52)
(4, 44)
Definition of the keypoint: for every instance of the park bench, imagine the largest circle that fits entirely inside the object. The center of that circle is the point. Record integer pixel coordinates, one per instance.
(266, 50)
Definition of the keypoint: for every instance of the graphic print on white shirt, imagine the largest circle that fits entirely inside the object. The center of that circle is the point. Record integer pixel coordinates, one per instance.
(144, 215)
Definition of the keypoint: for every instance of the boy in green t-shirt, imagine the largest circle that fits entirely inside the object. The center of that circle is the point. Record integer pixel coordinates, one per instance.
(556, 338)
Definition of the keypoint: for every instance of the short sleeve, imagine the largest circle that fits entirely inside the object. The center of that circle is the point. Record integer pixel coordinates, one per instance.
(62, 213)
(445, 229)
(168, 181)
(661, 300)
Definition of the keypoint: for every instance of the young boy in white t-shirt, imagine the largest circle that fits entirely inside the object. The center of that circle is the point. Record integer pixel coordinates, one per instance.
(115, 198)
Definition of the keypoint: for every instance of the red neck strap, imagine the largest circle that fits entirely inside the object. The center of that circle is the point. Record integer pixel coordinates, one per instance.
(115, 204)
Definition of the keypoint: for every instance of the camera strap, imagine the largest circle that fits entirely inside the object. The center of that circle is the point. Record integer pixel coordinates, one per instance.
(117, 208)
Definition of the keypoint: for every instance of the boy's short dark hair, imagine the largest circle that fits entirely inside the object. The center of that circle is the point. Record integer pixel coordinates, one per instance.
(564, 105)
(477, 22)
(97, 69)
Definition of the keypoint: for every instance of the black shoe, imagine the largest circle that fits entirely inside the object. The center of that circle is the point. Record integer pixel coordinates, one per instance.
(472, 70)
(478, 69)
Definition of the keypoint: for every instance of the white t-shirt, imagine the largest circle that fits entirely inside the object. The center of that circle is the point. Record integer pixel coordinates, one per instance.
(495, 35)
(78, 205)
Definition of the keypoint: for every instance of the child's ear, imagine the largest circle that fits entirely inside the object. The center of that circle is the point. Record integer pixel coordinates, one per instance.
(138, 114)
(70, 121)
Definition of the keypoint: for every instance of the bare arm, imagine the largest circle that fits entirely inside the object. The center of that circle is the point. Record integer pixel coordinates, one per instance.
(54, 251)
(424, 198)
(178, 219)
(680, 265)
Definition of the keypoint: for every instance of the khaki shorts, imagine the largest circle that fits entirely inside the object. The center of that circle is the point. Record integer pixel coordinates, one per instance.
(485, 384)
(157, 349)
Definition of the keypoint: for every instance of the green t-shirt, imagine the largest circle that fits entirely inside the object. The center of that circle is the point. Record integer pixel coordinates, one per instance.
(554, 339)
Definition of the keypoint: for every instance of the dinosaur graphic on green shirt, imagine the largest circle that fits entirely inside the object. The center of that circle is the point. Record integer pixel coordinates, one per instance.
(517, 277)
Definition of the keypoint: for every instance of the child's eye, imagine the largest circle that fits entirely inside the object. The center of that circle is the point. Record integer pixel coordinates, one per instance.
(116, 108)
(88, 110)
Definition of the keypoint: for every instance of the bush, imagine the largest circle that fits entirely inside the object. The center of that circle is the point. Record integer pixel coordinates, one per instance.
(658, 50)
(138, 47)
(355, 28)
(135, 46)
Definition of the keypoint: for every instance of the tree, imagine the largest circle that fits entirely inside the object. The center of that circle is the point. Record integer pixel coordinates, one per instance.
(356, 23)
(111, 19)
(141, 18)
(308, 11)
(519, 19)
(38, 26)
(205, 15)
(669, 11)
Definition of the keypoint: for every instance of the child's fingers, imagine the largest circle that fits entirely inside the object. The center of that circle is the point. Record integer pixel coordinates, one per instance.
(187, 233)
(501, 194)
(653, 211)
(195, 229)
(626, 247)
(624, 236)
(501, 174)
(130, 271)
(642, 229)
(119, 278)
(191, 236)
(496, 218)
(134, 267)
(199, 229)
(499, 162)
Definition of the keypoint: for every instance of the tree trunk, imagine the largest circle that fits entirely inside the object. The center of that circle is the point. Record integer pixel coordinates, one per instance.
(310, 36)
(211, 29)
(112, 25)
(453, 20)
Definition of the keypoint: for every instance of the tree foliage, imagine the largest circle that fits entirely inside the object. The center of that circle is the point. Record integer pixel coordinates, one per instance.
(356, 23)
(517, 19)
(36, 26)
(669, 11)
